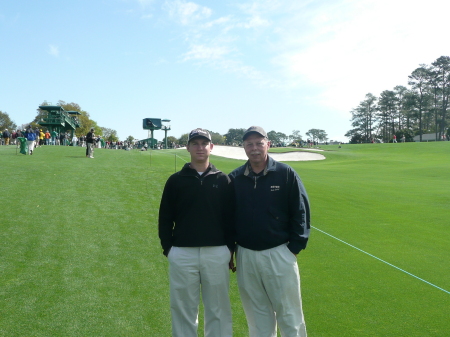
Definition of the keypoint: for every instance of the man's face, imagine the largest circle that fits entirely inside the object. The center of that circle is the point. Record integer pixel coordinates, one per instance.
(199, 148)
(256, 148)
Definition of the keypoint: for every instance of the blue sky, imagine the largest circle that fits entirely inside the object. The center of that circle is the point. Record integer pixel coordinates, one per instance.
(282, 64)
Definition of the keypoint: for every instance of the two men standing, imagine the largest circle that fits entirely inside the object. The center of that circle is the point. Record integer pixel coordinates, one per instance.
(270, 223)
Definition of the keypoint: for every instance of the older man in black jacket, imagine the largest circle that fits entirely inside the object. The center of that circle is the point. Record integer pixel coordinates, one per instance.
(272, 227)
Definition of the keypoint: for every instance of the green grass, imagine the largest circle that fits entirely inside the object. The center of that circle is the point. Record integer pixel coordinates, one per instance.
(80, 256)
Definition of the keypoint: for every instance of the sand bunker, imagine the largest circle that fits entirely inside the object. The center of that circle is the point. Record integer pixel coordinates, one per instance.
(239, 153)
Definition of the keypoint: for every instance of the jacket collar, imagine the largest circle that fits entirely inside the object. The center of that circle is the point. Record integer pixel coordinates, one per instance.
(271, 166)
(187, 170)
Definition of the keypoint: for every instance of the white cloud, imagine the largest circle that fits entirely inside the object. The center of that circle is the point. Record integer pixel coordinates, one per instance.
(258, 77)
(202, 52)
(254, 22)
(263, 6)
(145, 3)
(219, 21)
(160, 61)
(187, 12)
(351, 48)
(257, 14)
(217, 41)
(53, 50)
(338, 50)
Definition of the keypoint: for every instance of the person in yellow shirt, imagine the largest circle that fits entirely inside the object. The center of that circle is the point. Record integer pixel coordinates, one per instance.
(41, 137)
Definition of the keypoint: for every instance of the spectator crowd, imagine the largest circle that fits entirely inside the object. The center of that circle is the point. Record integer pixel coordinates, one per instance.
(41, 138)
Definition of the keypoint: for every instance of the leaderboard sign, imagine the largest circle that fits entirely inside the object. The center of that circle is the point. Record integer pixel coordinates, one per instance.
(151, 123)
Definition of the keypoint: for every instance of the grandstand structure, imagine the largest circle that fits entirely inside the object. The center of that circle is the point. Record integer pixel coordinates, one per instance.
(59, 120)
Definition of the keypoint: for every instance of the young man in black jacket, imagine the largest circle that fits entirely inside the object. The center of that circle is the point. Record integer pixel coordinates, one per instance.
(272, 227)
(196, 233)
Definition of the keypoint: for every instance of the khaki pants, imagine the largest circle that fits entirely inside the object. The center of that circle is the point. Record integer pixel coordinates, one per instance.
(269, 285)
(195, 269)
(90, 150)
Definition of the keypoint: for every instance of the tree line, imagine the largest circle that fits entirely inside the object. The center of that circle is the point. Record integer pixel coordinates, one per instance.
(406, 111)
(234, 137)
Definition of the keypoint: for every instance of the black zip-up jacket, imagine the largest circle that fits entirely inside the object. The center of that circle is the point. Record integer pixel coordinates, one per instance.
(196, 211)
(272, 207)
(90, 137)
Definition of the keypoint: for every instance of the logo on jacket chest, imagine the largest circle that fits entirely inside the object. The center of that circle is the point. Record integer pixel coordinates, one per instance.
(274, 188)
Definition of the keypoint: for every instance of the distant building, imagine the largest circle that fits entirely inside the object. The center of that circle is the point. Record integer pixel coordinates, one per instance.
(426, 137)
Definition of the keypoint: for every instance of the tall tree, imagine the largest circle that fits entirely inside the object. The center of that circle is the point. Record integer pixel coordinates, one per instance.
(183, 140)
(435, 91)
(364, 118)
(295, 136)
(217, 138)
(109, 135)
(234, 136)
(170, 140)
(418, 80)
(442, 68)
(276, 138)
(6, 122)
(130, 139)
(317, 135)
(400, 92)
(282, 137)
(387, 105)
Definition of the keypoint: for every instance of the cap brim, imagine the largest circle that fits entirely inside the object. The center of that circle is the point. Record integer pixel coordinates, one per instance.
(199, 137)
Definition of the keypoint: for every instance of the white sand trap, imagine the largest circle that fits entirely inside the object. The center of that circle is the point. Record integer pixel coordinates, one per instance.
(239, 153)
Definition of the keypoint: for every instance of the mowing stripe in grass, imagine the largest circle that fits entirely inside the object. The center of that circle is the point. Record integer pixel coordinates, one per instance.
(390, 264)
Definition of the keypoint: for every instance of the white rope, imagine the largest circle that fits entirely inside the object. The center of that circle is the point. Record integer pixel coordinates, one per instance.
(389, 264)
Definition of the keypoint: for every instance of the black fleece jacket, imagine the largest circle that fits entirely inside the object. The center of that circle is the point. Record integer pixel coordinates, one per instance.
(272, 207)
(197, 211)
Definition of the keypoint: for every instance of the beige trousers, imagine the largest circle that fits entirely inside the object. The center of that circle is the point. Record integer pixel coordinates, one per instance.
(269, 285)
(195, 269)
